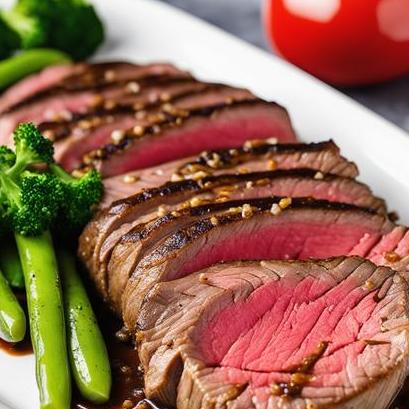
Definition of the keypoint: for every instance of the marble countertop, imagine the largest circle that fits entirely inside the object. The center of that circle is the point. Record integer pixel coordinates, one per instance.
(242, 18)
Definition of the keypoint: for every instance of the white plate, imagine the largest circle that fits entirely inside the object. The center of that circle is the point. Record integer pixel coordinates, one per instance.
(146, 30)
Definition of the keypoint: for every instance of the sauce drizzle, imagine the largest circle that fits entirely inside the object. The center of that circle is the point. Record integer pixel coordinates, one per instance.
(300, 375)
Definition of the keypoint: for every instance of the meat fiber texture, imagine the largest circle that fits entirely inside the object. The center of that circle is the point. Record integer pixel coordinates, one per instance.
(271, 334)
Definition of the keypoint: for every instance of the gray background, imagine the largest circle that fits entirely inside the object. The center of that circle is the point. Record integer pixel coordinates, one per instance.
(242, 18)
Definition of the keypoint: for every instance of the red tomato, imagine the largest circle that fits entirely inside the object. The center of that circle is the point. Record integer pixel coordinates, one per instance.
(344, 42)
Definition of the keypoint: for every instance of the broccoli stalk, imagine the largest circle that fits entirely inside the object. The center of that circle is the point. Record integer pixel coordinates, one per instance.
(34, 191)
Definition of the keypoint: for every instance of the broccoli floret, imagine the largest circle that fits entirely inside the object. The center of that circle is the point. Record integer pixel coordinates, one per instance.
(31, 30)
(29, 200)
(80, 32)
(7, 158)
(9, 40)
(72, 26)
(31, 148)
(80, 195)
(32, 196)
(37, 205)
(30, 204)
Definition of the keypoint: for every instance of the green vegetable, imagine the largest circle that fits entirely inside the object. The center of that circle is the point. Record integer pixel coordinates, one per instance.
(31, 198)
(9, 40)
(80, 194)
(12, 318)
(46, 314)
(15, 68)
(72, 26)
(10, 263)
(31, 31)
(29, 201)
(87, 351)
(7, 158)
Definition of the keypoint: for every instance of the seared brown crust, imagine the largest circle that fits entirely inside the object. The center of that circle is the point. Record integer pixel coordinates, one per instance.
(258, 204)
(183, 237)
(102, 114)
(170, 120)
(211, 208)
(142, 232)
(93, 78)
(230, 158)
(211, 182)
(233, 157)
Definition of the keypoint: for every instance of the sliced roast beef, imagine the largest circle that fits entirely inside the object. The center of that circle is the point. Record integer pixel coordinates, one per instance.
(254, 229)
(106, 226)
(148, 93)
(36, 83)
(393, 251)
(101, 126)
(291, 181)
(275, 334)
(185, 133)
(79, 92)
(81, 77)
(254, 156)
(142, 233)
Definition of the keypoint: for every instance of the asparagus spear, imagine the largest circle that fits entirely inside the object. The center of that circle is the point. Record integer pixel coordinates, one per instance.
(12, 318)
(28, 62)
(87, 350)
(46, 314)
(10, 263)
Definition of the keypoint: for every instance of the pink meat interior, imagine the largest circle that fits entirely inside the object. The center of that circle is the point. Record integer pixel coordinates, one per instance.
(282, 241)
(284, 321)
(230, 130)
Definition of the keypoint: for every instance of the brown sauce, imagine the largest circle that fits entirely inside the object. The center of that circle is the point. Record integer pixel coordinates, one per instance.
(300, 374)
(22, 348)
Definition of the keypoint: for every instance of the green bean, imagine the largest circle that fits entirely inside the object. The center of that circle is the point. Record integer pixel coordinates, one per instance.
(45, 307)
(10, 263)
(86, 346)
(28, 62)
(12, 318)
